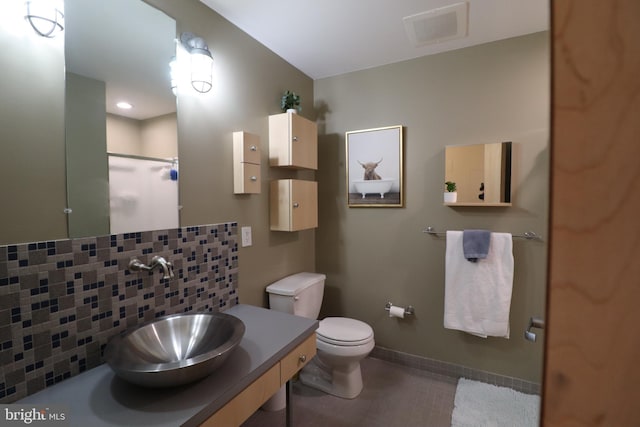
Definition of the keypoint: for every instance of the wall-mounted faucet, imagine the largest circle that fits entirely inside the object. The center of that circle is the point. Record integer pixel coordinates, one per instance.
(156, 261)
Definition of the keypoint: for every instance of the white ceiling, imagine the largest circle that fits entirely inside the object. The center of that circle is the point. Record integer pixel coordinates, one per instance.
(331, 37)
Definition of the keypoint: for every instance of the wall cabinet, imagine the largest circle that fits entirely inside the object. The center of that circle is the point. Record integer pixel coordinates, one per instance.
(246, 163)
(293, 205)
(482, 173)
(293, 142)
(240, 408)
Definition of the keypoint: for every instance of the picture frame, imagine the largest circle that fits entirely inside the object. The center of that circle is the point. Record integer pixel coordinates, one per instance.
(374, 163)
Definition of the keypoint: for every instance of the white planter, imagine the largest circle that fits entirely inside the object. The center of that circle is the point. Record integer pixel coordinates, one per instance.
(450, 197)
(292, 111)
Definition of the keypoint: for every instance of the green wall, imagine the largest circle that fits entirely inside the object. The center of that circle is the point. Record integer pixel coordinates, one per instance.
(488, 93)
(250, 80)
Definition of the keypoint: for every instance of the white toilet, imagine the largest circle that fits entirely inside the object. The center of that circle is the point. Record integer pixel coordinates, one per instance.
(342, 342)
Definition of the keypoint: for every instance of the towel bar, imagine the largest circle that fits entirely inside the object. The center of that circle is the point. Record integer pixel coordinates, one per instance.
(528, 235)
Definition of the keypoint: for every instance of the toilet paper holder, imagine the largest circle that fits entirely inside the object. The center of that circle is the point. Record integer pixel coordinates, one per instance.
(534, 322)
(407, 310)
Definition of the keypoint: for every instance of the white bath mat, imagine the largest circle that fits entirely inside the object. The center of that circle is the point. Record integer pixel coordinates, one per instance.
(479, 404)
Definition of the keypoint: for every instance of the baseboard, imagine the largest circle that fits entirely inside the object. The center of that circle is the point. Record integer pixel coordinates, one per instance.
(453, 370)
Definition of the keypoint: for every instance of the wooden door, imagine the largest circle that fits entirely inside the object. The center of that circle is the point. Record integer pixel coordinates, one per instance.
(592, 352)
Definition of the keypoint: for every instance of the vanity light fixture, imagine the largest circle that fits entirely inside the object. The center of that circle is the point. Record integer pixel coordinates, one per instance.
(45, 16)
(201, 62)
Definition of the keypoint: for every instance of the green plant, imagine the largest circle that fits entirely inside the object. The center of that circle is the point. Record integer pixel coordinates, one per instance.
(451, 186)
(290, 101)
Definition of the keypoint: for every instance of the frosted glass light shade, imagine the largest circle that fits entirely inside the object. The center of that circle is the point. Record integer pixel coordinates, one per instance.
(201, 70)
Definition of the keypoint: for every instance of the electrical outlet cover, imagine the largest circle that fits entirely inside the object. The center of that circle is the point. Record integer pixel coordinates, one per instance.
(246, 236)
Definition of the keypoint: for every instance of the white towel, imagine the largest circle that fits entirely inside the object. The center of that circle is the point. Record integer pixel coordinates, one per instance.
(477, 296)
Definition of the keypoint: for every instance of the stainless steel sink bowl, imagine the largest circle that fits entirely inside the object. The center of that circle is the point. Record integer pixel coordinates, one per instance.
(174, 350)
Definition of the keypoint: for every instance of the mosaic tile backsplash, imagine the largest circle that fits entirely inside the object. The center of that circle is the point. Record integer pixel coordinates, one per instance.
(61, 301)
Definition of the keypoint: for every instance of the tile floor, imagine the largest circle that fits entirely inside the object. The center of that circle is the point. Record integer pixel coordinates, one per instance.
(393, 396)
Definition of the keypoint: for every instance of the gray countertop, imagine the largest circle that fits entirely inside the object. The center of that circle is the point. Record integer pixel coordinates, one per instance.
(99, 398)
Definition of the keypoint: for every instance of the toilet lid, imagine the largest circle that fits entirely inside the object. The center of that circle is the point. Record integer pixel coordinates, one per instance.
(344, 331)
(294, 284)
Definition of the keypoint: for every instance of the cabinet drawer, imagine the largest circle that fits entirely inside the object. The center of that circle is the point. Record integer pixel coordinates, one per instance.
(247, 401)
(246, 148)
(246, 178)
(297, 358)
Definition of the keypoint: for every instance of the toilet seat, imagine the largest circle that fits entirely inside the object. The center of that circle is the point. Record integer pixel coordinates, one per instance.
(343, 331)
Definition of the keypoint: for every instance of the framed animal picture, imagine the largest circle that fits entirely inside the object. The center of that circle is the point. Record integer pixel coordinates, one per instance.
(374, 167)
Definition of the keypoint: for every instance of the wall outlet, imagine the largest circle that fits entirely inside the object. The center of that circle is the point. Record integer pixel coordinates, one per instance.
(246, 236)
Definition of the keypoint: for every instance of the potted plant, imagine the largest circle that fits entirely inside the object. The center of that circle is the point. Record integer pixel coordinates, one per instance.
(451, 195)
(290, 102)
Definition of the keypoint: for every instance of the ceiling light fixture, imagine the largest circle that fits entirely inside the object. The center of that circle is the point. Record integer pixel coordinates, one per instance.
(201, 62)
(124, 105)
(45, 16)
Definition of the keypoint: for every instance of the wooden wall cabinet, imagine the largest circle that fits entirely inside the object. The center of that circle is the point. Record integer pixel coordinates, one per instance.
(293, 205)
(293, 142)
(246, 163)
(482, 173)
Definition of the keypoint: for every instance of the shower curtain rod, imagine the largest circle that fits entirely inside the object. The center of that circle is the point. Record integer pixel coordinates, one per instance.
(528, 235)
(137, 157)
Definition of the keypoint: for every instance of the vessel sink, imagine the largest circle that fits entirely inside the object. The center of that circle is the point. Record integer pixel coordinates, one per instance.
(174, 350)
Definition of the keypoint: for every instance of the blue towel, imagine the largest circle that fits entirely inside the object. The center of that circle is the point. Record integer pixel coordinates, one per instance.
(475, 244)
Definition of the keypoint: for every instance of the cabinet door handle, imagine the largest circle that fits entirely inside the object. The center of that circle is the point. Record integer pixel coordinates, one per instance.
(302, 358)
(253, 178)
(296, 205)
(295, 138)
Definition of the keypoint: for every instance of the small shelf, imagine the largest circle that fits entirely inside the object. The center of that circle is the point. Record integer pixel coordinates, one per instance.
(497, 205)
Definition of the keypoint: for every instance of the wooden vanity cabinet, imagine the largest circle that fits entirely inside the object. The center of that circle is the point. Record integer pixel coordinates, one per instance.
(244, 404)
(293, 205)
(296, 359)
(240, 408)
(293, 142)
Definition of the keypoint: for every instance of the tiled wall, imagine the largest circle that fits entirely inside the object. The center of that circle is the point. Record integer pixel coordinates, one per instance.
(61, 301)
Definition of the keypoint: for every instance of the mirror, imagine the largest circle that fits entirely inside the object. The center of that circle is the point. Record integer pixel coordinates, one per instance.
(481, 172)
(121, 163)
(31, 130)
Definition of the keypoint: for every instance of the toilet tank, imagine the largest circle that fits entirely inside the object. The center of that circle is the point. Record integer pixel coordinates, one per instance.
(300, 294)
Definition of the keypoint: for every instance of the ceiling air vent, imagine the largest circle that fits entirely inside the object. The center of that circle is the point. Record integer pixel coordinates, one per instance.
(437, 25)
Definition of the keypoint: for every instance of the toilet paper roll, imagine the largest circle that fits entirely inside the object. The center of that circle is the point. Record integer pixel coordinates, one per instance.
(396, 312)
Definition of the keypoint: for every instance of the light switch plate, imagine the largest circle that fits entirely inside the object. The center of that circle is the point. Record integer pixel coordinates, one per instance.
(246, 236)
